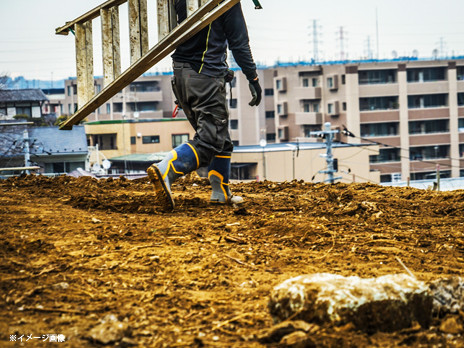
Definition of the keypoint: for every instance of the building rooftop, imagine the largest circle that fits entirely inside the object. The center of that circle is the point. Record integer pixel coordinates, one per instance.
(51, 140)
(13, 95)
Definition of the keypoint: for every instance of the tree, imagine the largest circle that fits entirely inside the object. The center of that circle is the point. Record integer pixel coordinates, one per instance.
(4, 81)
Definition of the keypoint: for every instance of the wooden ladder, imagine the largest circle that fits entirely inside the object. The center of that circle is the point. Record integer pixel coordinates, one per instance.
(200, 13)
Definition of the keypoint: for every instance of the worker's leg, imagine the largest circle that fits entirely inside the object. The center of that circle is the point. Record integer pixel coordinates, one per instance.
(203, 98)
(180, 161)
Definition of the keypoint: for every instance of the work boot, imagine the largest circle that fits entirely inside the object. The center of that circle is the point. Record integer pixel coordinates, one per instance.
(179, 162)
(218, 175)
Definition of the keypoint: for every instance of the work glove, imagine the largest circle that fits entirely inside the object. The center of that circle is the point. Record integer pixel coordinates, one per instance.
(256, 92)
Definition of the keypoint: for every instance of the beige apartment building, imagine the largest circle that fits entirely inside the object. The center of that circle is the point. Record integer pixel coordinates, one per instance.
(413, 109)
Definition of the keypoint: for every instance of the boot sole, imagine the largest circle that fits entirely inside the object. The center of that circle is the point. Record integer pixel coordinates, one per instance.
(163, 194)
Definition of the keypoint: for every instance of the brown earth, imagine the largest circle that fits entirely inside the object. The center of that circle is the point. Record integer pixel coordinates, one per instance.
(73, 251)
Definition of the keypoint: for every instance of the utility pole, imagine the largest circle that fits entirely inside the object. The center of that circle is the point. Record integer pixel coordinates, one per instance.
(328, 134)
(27, 154)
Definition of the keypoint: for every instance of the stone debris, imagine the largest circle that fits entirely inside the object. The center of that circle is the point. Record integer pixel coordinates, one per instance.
(386, 303)
(448, 296)
(110, 330)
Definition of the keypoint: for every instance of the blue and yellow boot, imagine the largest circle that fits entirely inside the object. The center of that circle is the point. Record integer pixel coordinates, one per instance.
(218, 175)
(179, 162)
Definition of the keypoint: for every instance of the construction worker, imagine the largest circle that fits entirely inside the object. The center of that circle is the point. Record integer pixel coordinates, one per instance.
(199, 84)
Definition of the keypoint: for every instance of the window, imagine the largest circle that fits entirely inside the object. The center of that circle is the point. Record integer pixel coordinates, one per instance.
(307, 129)
(330, 108)
(315, 82)
(270, 114)
(460, 73)
(343, 79)
(117, 107)
(233, 103)
(278, 85)
(179, 139)
(108, 108)
(270, 136)
(426, 74)
(426, 127)
(309, 105)
(23, 110)
(330, 82)
(461, 150)
(70, 111)
(233, 124)
(133, 140)
(430, 175)
(69, 91)
(150, 139)
(104, 141)
(429, 152)
(378, 103)
(143, 106)
(386, 155)
(379, 129)
(427, 101)
(344, 106)
(371, 77)
(145, 86)
(305, 82)
(461, 99)
(461, 125)
(98, 88)
(268, 92)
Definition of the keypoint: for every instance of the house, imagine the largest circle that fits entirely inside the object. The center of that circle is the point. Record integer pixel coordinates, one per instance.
(54, 151)
(21, 102)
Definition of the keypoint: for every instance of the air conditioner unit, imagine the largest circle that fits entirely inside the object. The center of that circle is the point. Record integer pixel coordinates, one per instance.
(282, 109)
(335, 109)
(281, 84)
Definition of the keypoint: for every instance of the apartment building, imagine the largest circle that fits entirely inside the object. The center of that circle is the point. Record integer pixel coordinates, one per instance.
(414, 109)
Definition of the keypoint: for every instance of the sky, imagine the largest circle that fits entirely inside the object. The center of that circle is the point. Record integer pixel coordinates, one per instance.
(282, 31)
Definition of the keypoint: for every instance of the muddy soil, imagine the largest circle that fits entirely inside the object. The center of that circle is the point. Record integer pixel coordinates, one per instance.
(76, 251)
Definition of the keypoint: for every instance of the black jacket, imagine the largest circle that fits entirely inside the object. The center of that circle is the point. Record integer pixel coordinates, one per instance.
(207, 51)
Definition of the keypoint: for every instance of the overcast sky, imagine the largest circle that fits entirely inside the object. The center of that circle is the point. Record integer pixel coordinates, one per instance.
(281, 31)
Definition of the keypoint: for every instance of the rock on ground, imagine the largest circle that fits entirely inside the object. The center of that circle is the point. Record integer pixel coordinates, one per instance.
(386, 303)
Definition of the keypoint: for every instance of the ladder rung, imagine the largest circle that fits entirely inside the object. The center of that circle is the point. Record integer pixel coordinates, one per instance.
(92, 14)
(209, 12)
(84, 63)
(110, 44)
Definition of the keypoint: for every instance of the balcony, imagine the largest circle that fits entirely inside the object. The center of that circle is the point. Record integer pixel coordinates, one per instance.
(379, 116)
(428, 87)
(375, 90)
(429, 113)
(308, 93)
(308, 118)
(429, 139)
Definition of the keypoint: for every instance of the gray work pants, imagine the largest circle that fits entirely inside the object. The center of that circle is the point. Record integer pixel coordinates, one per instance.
(203, 99)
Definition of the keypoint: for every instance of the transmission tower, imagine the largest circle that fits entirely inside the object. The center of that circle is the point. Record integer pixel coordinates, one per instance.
(315, 33)
(341, 37)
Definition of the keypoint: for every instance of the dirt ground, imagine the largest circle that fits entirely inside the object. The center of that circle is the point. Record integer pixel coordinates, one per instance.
(74, 251)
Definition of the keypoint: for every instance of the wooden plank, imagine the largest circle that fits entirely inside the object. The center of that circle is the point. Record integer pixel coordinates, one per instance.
(110, 44)
(181, 33)
(11, 169)
(84, 63)
(138, 29)
(88, 16)
(192, 6)
(163, 19)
